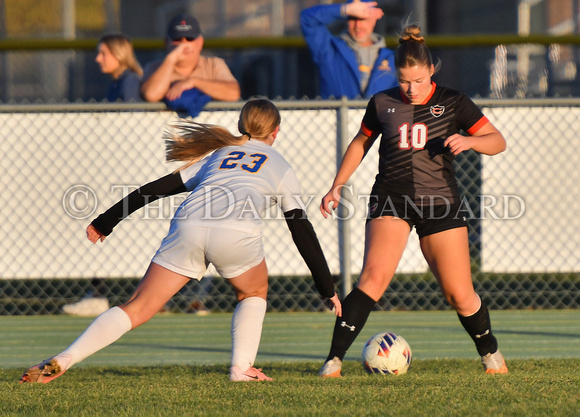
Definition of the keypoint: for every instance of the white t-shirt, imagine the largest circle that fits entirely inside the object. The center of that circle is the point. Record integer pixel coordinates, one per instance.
(237, 186)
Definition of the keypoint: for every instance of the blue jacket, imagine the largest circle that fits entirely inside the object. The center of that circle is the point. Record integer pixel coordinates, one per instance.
(336, 61)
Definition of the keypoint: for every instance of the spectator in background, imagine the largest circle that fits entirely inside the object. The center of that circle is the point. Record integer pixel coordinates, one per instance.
(355, 63)
(116, 57)
(184, 79)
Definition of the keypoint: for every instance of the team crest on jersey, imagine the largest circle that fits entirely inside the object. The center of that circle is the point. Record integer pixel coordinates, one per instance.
(437, 110)
(384, 65)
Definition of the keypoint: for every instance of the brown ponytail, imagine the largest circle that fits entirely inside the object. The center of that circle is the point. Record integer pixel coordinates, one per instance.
(412, 50)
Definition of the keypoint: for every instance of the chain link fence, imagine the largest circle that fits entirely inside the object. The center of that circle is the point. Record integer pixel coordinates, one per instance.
(62, 165)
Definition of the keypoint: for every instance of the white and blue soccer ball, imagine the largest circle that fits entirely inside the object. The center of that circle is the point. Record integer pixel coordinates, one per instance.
(387, 353)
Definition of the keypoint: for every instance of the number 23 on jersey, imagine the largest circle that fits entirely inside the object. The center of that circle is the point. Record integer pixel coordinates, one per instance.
(235, 159)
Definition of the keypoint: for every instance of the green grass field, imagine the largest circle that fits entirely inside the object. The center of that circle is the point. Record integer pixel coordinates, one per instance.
(178, 365)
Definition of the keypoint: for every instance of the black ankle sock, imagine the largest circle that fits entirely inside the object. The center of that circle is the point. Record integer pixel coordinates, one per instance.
(478, 326)
(356, 309)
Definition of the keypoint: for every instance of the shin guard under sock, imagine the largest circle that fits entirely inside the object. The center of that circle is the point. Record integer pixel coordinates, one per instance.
(478, 326)
(356, 309)
(104, 330)
(247, 323)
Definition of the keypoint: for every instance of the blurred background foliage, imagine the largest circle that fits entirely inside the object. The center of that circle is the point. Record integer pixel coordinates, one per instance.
(32, 18)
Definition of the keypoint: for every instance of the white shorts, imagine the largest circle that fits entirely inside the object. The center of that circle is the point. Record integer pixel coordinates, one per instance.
(189, 250)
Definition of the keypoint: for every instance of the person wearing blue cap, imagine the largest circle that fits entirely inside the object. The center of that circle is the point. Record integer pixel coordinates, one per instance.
(184, 79)
(355, 63)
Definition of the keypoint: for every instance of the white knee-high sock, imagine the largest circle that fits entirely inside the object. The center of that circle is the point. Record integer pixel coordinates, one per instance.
(103, 331)
(246, 331)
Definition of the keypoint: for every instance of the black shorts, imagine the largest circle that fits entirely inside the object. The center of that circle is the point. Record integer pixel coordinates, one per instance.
(427, 219)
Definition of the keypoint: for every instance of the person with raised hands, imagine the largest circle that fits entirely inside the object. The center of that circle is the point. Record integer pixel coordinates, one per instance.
(355, 63)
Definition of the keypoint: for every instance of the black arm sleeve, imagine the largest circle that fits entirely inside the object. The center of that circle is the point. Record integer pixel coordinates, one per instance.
(307, 243)
(163, 187)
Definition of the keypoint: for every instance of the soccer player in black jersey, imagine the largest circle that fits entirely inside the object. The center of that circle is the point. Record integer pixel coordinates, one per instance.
(419, 123)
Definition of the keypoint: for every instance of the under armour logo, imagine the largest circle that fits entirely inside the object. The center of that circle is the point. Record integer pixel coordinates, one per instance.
(479, 336)
(351, 328)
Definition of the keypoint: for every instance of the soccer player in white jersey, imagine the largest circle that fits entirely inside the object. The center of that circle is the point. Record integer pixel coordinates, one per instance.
(213, 226)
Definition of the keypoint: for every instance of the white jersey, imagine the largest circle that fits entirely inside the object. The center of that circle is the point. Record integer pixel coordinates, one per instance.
(237, 186)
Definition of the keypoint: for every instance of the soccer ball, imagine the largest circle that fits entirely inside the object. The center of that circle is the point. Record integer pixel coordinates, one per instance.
(386, 353)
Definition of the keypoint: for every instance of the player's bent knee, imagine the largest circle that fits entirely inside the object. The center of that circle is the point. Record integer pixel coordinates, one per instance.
(374, 283)
(137, 314)
(241, 297)
(462, 303)
(259, 292)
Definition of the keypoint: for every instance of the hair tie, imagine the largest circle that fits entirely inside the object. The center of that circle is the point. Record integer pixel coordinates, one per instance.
(247, 134)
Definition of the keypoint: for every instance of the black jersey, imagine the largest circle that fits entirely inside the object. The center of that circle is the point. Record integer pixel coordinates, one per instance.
(412, 159)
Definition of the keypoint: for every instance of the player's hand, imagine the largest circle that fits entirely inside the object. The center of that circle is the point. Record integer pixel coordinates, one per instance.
(178, 87)
(364, 10)
(94, 235)
(330, 201)
(458, 143)
(337, 305)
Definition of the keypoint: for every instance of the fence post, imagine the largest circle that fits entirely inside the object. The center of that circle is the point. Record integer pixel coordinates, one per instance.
(343, 215)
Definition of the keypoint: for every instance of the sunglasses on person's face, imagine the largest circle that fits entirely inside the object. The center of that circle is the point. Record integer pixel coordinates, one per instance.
(187, 38)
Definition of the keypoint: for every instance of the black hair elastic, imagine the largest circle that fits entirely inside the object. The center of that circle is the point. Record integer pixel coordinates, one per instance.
(247, 134)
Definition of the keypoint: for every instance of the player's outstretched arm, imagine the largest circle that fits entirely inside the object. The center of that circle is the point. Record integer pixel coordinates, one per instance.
(309, 247)
(166, 186)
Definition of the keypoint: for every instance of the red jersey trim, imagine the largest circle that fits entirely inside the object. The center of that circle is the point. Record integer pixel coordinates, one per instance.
(366, 130)
(480, 123)
(404, 97)
(407, 101)
(433, 86)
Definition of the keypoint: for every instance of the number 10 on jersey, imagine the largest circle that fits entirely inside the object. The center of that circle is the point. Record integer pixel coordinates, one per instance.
(418, 136)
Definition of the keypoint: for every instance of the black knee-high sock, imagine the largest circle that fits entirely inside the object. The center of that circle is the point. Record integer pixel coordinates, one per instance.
(356, 309)
(478, 326)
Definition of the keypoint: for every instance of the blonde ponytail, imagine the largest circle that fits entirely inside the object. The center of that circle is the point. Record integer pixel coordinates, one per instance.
(122, 49)
(196, 140)
(258, 120)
